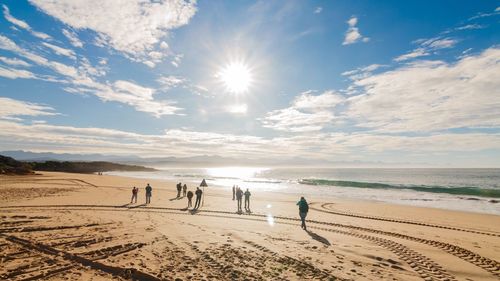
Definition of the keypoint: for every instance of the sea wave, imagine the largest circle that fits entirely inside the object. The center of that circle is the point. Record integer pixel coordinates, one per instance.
(463, 190)
(263, 181)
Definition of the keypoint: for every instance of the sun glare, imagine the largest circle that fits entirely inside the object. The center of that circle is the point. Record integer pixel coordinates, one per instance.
(236, 77)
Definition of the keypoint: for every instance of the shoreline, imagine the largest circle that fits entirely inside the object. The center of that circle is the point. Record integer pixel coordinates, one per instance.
(400, 197)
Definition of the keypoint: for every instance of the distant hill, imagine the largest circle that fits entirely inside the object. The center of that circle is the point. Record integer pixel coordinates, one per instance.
(86, 167)
(22, 155)
(10, 166)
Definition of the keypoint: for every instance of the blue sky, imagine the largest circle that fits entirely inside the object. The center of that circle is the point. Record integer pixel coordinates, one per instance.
(369, 81)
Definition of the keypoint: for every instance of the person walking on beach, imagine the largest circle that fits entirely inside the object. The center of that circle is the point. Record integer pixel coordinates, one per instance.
(247, 200)
(234, 191)
(190, 197)
(149, 190)
(303, 209)
(239, 197)
(179, 188)
(135, 190)
(198, 198)
(184, 190)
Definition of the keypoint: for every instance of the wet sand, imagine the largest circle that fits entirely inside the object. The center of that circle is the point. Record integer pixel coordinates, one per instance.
(59, 226)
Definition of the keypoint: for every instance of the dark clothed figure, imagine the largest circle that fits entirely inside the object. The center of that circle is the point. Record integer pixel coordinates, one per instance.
(179, 188)
(149, 191)
(198, 198)
(190, 198)
(234, 191)
(247, 200)
(184, 190)
(239, 197)
(303, 209)
(135, 190)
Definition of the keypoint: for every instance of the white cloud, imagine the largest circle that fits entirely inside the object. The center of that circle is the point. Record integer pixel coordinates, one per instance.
(318, 10)
(431, 95)
(307, 113)
(293, 120)
(132, 27)
(12, 73)
(73, 38)
(427, 46)
(82, 80)
(14, 62)
(419, 52)
(362, 71)
(483, 15)
(171, 81)
(22, 24)
(439, 43)
(470, 26)
(177, 60)
(352, 34)
(307, 100)
(15, 108)
(60, 51)
(333, 146)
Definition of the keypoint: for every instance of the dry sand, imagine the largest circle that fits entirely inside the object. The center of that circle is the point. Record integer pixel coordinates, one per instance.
(59, 226)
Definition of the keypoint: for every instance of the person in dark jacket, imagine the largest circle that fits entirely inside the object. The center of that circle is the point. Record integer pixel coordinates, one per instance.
(149, 191)
(179, 189)
(234, 191)
(239, 197)
(247, 200)
(184, 190)
(198, 193)
(190, 197)
(303, 209)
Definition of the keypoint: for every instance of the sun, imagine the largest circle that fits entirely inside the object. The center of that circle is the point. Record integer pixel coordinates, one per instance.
(236, 76)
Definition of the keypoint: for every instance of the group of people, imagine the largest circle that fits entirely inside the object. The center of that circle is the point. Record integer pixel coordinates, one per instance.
(135, 192)
(237, 194)
(189, 194)
(180, 188)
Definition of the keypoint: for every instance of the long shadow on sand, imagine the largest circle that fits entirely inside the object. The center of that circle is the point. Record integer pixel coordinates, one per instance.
(176, 198)
(138, 206)
(318, 238)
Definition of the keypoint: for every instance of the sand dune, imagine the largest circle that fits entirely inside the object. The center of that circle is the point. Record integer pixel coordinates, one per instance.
(60, 226)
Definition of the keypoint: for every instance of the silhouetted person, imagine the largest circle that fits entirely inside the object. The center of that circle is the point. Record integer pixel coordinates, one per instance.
(184, 190)
(149, 190)
(198, 198)
(179, 188)
(234, 191)
(247, 200)
(303, 209)
(239, 197)
(190, 197)
(135, 190)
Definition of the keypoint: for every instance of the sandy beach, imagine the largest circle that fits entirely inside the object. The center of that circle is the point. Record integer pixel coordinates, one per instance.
(60, 226)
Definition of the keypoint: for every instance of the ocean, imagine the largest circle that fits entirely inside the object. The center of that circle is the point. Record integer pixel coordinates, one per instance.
(474, 190)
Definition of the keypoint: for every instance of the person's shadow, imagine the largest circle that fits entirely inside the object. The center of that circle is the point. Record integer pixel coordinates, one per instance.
(318, 238)
(137, 206)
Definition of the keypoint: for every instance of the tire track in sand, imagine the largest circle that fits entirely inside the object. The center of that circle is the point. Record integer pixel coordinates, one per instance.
(485, 263)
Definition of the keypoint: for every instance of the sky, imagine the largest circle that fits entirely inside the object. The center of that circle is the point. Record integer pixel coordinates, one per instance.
(344, 81)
